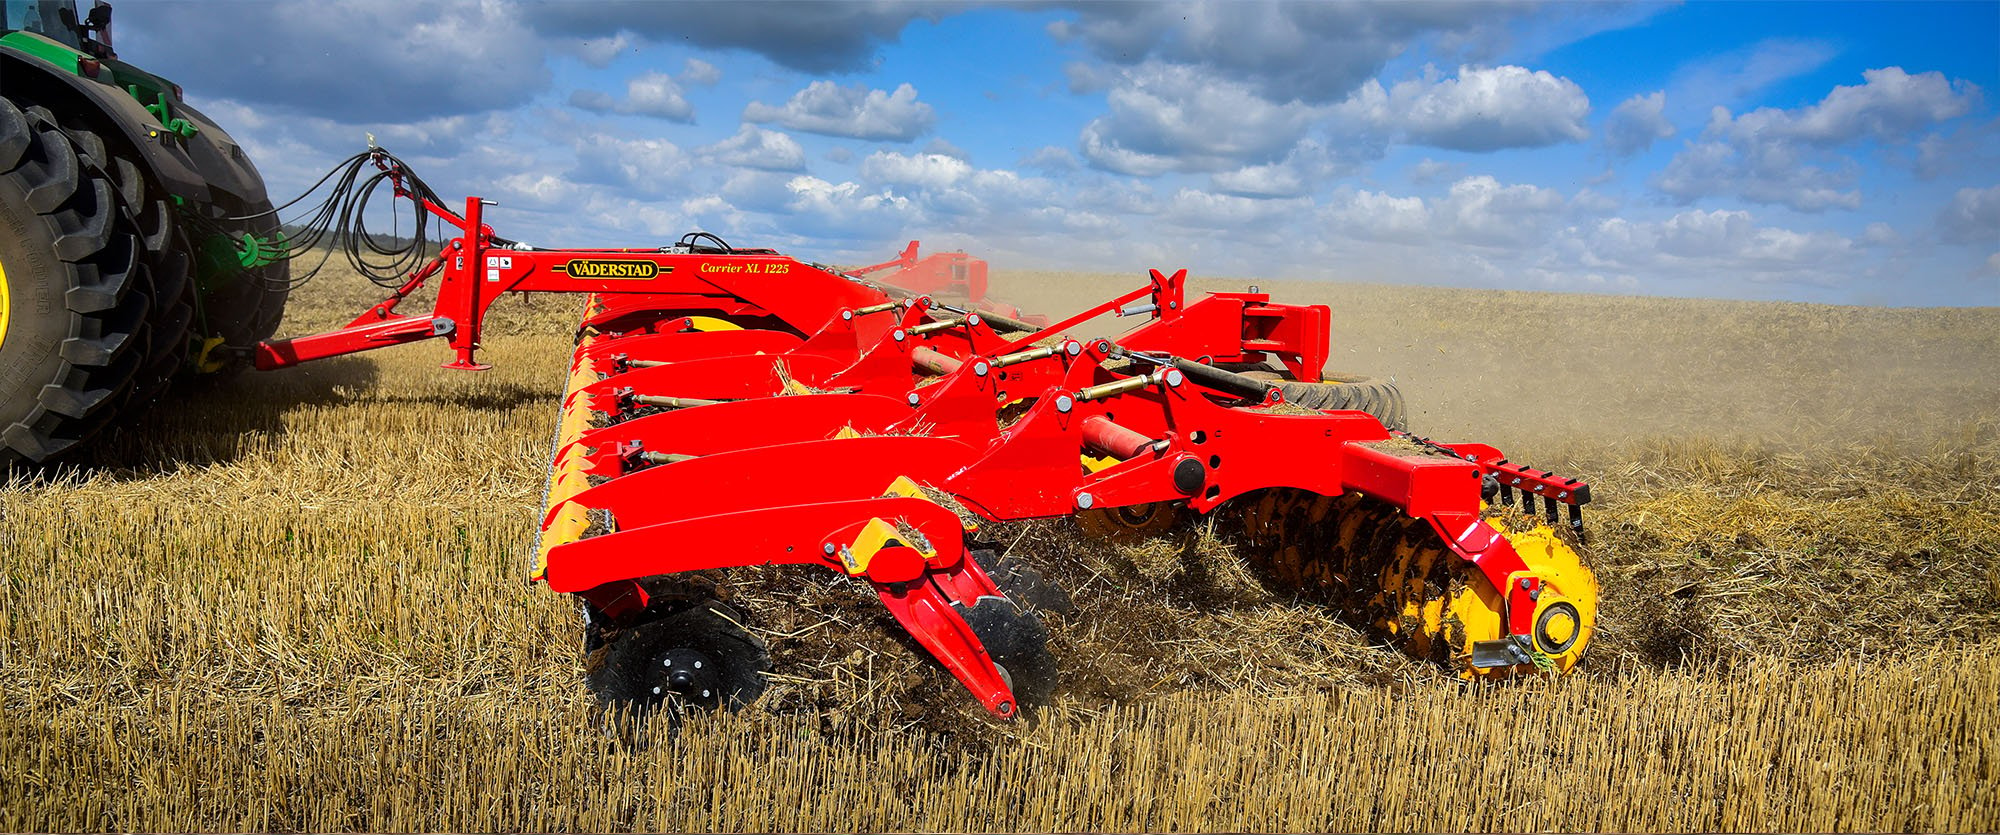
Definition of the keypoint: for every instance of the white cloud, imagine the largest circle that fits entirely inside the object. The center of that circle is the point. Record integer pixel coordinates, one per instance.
(938, 145)
(351, 60)
(1477, 210)
(1383, 217)
(1269, 180)
(1972, 216)
(1171, 118)
(1051, 158)
(856, 112)
(1789, 157)
(1728, 241)
(650, 167)
(1480, 210)
(1761, 172)
(1480, 109)
(1194, 209)
(599, 52)
(1085, 77)
(812, 193)
(1311, 52)
(1429, 171)
(657, 94)
(700, 72)
(650, 93)
(755, 147)
(1637, 123)
(932, 171)
(1738, 74)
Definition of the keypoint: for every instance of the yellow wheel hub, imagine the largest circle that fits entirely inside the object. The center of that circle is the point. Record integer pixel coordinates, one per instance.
(5, 313)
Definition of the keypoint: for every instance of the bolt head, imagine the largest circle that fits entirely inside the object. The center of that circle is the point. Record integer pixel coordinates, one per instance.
(827, 549)
(666, 662)
(900, 335)
(1175, 377)
(847, 315)
(705, 694)
(1073, 347)
(981, 369)
(1085, 500)
(1064, 403)
(656, 691)
(1525, 583)
(697, 665)
(913, 398)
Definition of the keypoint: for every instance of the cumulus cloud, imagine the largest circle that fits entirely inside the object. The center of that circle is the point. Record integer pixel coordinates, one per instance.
(755, 147)
(352, 60)
(811, 37)
(1480, 109)
(1171, 118)
(650, 167)
(1052, 159)
(934, 171)
(651, 93)
(700, 72)
(1312, 52)
(1695, 241)
(1740, 73)
(1972, 217)
(853, 112)
(1789, 157)
(1477, 210)
(1637, 123)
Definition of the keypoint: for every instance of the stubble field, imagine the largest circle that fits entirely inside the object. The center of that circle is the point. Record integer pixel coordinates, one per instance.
(297, 601)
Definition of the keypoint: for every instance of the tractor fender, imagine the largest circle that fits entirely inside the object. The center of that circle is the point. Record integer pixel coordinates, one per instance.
(220, 160)
(121, 118)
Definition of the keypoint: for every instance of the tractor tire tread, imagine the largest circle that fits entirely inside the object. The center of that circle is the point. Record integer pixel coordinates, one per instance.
(104, 338)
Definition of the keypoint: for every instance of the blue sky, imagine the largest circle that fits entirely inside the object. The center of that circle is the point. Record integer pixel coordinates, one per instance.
(1835, 152)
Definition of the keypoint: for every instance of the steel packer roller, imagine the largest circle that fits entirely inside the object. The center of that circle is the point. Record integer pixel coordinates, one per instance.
(732, 407)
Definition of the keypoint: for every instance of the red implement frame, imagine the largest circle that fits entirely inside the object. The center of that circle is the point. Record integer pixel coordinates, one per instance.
(732, 475)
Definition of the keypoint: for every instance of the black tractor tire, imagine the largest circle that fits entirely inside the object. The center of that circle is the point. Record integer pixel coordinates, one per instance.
(73, 337)
(170, 320)
(248, 309)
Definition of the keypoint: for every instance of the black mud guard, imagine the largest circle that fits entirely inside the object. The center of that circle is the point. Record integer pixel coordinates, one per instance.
(120, 115)
(217, 157)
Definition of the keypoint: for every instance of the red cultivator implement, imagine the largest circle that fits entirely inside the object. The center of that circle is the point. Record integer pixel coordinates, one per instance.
(729, 407)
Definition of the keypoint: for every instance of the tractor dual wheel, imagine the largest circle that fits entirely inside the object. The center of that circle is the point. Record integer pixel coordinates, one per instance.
(1395, 576)
(74, 331)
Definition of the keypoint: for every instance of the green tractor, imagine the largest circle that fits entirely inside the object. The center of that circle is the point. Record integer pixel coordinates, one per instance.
(137, 243)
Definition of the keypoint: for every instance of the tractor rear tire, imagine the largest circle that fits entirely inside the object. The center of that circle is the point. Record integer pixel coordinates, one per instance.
(73, 307)
(170, 320)
(249, 312)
